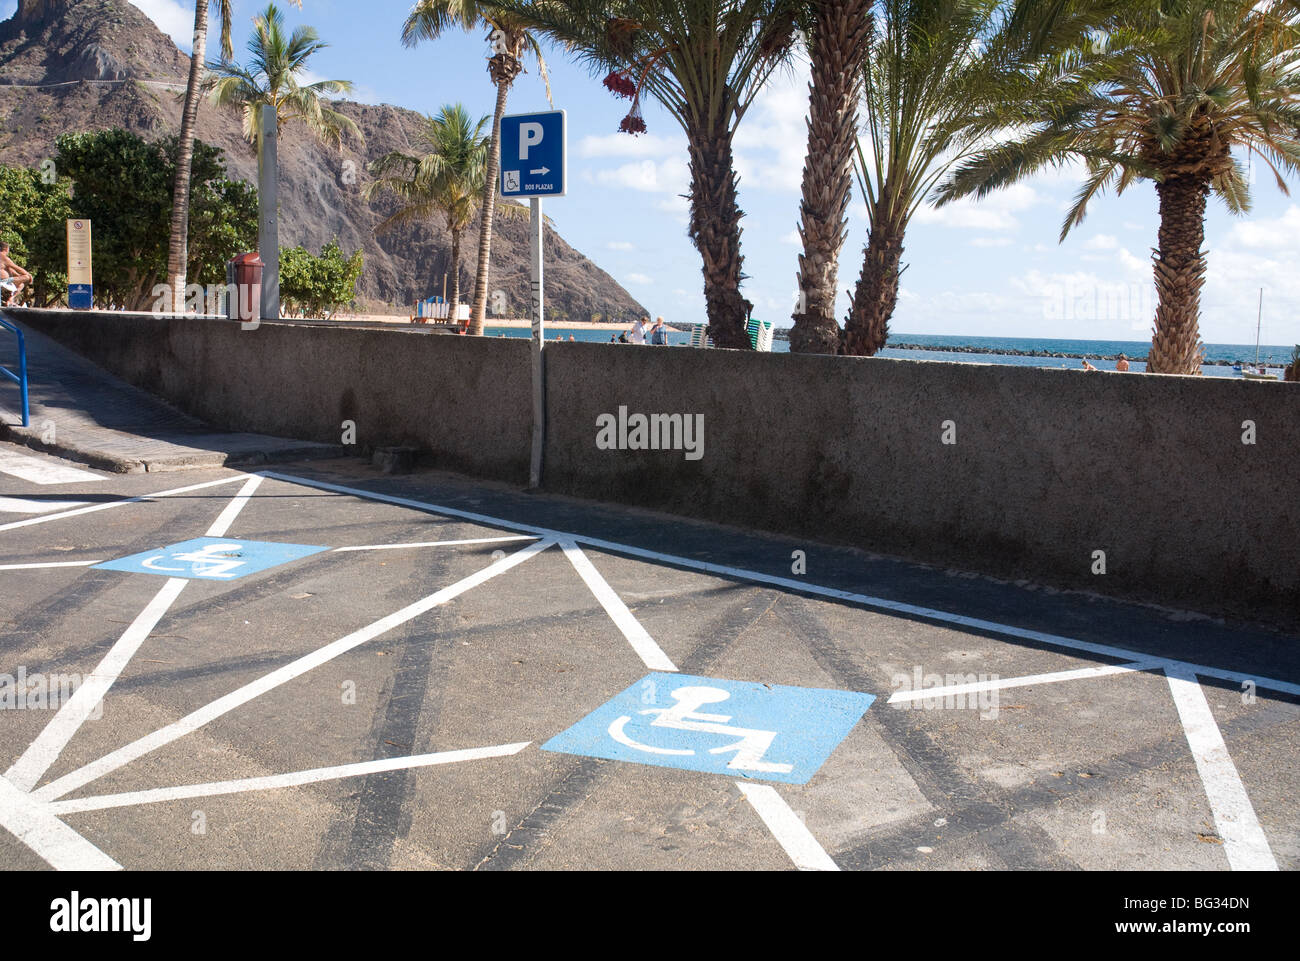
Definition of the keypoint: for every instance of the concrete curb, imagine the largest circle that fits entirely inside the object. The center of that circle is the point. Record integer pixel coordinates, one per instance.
(107, 460)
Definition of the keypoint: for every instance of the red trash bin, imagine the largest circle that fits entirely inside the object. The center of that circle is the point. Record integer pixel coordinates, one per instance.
(246, 295)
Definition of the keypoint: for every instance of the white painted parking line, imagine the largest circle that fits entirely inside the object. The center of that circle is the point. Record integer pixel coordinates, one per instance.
(29, 567)
(799, 587)
(471, 540)
(221, 526)
(790, 832)
(1027, 681)
(37, 471)
(100, 802)
(1243, 838)
(192, 722)
(12, 525)
(57, 844)
(644, 645)
(49, 744)
(22, 505)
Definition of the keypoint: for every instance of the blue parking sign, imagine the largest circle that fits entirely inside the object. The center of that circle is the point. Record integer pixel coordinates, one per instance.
(211, 558)
(533, 155)
(738, 728)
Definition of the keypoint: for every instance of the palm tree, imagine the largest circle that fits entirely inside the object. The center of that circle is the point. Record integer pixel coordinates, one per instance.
(510, 37)
(704, 61)
(940, 75)
(1174, 87)
(446, 179)
(837, 42)
(178, 245)
(271, 78)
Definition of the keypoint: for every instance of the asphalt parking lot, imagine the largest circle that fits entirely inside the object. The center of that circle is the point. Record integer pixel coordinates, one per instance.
(323, 667)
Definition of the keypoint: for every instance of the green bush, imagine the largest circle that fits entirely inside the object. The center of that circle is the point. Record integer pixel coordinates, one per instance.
(35, 227)
(123, 186)
(318, 286)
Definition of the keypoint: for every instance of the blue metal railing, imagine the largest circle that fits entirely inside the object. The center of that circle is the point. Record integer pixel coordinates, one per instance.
(19, 378)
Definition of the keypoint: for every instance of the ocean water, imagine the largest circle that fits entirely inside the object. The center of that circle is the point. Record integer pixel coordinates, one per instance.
(1273, 356)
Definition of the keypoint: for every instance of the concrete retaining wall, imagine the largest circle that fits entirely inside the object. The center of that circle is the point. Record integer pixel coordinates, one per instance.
(468, 400)
(1049, 466)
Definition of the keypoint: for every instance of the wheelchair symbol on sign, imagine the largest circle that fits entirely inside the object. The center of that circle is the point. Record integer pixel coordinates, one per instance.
(682, 716)
(214, 560)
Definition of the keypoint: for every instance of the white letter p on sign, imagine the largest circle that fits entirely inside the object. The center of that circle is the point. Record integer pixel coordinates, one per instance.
(530, 134)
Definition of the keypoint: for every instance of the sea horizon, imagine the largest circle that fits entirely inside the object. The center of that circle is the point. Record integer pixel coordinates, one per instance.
(978, 349)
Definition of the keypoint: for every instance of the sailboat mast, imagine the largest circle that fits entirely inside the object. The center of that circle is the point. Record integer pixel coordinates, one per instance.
(1258, 323)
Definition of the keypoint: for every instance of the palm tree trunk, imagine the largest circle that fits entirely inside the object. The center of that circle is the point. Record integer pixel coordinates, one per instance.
(876, 295)
(178, 246)
(715, 231)
(455, 278)
(841, 33)
(1180, 274)
(479, 309)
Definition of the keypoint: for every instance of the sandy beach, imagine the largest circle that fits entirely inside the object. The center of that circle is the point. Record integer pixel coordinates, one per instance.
(496, 322)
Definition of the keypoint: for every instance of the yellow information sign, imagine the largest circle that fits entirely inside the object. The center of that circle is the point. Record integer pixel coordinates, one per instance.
(81, 290)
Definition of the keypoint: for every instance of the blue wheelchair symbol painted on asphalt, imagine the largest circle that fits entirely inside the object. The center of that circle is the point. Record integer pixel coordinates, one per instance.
(771, 732)
(211, 558)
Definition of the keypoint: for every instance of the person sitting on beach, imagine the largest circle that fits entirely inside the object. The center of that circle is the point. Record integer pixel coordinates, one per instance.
(1088, 366)
(15, 277)
(622, 337)
(1122, 364)
(637, 334)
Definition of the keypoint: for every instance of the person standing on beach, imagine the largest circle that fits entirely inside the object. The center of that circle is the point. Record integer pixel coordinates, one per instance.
(637, 334)
(1121, 365)
(658, 336)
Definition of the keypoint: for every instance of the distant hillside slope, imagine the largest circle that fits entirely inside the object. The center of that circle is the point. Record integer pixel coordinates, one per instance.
(72, 65)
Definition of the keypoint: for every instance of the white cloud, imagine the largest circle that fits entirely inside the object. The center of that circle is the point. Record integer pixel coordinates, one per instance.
(620, 245)
(772, 140)
(990, 242)
(1279, 234)
(676, 205)
(1254, 254)
(1101, 242)
(792, 238)
(640, 279)
(994, 212)
(665, 176)
(1133, 265)
(623, 145)
(173, 19)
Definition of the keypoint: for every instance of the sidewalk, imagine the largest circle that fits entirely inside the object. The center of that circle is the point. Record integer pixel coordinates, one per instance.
(83, 413)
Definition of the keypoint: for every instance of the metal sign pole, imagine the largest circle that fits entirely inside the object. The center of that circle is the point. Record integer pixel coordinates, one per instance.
(539, 344)
(268, 233)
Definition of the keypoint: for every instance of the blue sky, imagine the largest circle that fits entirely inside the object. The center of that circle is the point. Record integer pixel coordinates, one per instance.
(987, 269)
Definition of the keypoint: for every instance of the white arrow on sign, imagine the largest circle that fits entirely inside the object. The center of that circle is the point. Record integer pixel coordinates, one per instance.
(541, 170)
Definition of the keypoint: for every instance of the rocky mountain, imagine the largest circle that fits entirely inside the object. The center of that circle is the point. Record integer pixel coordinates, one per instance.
(72, 65)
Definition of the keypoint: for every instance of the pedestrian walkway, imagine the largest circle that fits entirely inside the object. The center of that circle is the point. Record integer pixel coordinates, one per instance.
(83, 413)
